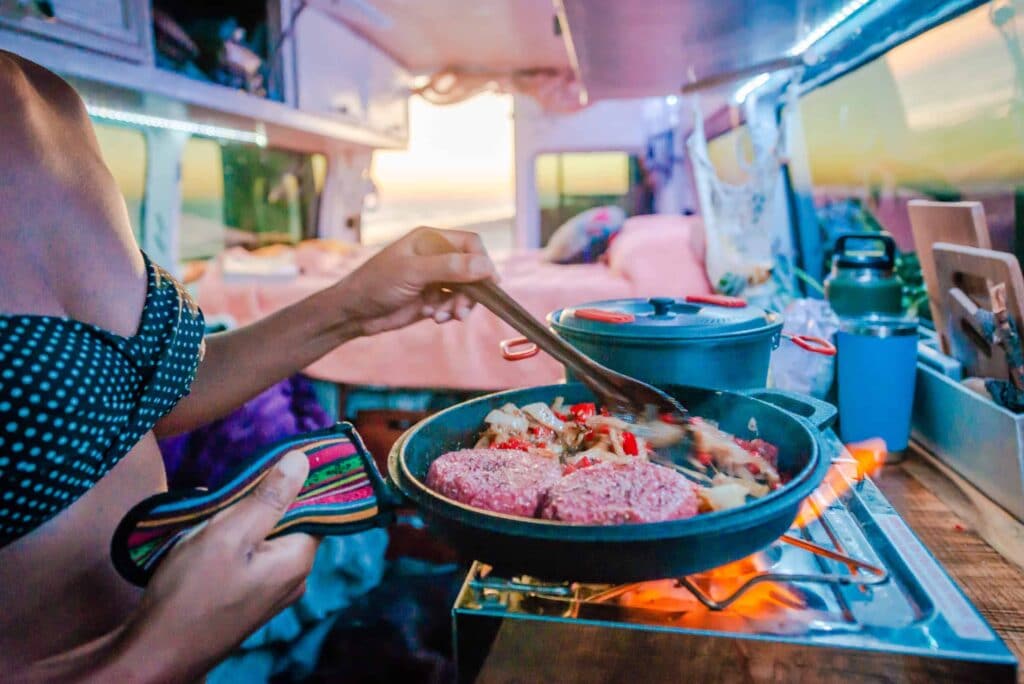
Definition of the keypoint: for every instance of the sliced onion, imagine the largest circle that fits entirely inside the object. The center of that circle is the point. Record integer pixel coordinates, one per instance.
(752, 487)
(608, 421)
(724, 496)
(543, 414)
(501, 418)
(659, 434)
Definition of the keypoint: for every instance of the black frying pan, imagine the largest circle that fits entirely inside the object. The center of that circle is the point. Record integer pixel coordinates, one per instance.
(630, 552)
(357, 498)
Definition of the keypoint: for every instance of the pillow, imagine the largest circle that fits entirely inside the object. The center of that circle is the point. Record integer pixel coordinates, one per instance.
(661, 255)
(584, 237)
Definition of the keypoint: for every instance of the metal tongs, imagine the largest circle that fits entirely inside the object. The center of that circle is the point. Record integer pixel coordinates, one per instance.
(659, 419)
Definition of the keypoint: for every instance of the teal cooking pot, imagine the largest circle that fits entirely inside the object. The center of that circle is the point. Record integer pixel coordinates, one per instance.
(708, 341)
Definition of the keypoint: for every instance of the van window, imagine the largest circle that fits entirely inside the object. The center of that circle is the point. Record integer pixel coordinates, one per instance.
(937, 117)
(725, 152)
(457, 172)
(570, 183)
(243, 195)
(124, 152)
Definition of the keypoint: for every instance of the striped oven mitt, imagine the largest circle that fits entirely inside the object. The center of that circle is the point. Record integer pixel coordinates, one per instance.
(343, 494)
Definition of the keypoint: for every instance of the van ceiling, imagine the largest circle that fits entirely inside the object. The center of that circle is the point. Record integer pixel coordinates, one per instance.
(624, 49)
(429, 35)
(632, 49)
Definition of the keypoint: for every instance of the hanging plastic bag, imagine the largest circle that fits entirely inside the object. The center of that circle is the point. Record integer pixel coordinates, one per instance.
(794, 369)
(740, 221)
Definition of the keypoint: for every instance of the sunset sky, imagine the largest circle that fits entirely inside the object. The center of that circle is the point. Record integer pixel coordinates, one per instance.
(938, 112)
(456, 151)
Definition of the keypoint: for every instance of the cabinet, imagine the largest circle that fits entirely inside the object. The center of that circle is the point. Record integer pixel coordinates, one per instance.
(340, 74)
(120, 28)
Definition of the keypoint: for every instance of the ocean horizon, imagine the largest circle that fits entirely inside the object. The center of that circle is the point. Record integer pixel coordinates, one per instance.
(495, 221)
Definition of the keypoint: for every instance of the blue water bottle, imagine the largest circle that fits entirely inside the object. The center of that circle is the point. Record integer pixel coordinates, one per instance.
(877, 366)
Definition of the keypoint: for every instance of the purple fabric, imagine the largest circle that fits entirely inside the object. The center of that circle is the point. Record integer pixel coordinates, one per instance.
(203, 457)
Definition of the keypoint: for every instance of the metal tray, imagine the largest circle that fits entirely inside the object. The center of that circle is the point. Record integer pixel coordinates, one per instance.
(981, 441)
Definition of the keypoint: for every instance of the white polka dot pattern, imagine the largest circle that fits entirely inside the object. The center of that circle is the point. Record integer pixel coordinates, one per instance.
(75, 398)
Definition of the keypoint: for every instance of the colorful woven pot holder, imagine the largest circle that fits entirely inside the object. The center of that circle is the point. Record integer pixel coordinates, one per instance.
(343, 494)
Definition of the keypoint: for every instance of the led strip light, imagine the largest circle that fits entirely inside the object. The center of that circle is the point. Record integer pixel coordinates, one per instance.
(819, 32)
(823, 29)
(744, 91)
(149, 121)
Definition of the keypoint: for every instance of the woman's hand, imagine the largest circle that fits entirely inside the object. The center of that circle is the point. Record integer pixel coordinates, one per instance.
(402, 283)
(219, 585)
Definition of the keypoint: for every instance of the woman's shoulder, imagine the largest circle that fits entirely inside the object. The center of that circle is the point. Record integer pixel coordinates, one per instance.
(105, 288)
(68, 246)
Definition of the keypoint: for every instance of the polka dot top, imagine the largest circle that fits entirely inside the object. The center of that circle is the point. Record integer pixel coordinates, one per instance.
(75, 398)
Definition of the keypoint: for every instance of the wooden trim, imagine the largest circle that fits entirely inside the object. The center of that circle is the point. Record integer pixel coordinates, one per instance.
(994, 524)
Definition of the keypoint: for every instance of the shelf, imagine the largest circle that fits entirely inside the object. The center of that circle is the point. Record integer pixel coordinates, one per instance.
(148, 90)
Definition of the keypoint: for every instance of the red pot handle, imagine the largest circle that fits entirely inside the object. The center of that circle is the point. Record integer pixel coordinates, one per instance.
(508, 352)
(817, 345)
(717, 300)
(603, 316)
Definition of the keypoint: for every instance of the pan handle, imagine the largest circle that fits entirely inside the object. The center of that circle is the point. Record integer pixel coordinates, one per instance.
(343, 494)
(821, 414)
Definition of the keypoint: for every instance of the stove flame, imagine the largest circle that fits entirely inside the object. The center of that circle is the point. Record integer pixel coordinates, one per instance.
(868, 457)
(764, 607)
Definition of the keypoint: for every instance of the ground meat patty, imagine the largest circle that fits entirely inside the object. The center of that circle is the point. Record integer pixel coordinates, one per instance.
(503, 481)
(612, 493)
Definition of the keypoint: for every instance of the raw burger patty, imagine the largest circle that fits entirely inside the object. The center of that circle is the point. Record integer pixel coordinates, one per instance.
(611, 494)
(512, 482)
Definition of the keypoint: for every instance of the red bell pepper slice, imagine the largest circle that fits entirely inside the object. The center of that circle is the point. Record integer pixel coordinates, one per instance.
(573, 467)
(581, 412)
(513, 444)
(629, 444)
(541, 431)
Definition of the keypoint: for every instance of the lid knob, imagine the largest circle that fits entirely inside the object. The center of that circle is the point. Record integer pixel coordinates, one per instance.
(662, 305)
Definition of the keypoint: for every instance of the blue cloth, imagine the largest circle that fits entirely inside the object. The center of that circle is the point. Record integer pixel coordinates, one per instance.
(345, 568)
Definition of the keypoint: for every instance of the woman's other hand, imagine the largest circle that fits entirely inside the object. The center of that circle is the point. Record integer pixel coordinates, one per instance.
(219, 585)
(402, 283)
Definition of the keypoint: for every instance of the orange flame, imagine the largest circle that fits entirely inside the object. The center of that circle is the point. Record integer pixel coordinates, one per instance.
(867, 459)
(770, 606)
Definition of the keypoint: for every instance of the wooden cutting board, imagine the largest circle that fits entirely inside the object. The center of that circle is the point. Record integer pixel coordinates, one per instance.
(974, 271)
(958, 223)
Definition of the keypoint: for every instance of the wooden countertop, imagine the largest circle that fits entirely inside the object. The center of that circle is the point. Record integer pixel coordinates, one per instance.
(979, 544)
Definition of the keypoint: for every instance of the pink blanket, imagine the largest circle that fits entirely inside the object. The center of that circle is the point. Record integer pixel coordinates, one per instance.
(654, 256)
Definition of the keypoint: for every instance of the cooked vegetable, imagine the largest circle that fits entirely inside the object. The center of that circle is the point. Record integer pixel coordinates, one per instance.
(728, 470)
(723, 497)
(543, 414)
(503, 417)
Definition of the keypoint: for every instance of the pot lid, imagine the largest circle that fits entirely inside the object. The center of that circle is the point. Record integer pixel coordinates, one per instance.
(693, 317)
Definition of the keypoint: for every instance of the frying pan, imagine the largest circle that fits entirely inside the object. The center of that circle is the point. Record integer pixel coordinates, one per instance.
(630, 552)
(345, 494)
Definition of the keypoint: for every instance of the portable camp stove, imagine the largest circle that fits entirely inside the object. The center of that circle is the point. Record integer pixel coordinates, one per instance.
(849, 594)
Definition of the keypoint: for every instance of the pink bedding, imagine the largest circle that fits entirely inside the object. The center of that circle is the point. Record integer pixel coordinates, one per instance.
(656, 255)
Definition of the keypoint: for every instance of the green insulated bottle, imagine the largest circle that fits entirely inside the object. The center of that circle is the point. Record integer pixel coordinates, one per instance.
(863, 279)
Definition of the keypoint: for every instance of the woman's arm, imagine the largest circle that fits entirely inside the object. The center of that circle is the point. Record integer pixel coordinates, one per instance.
(239, 364)
(398, 286)
(213, 590)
